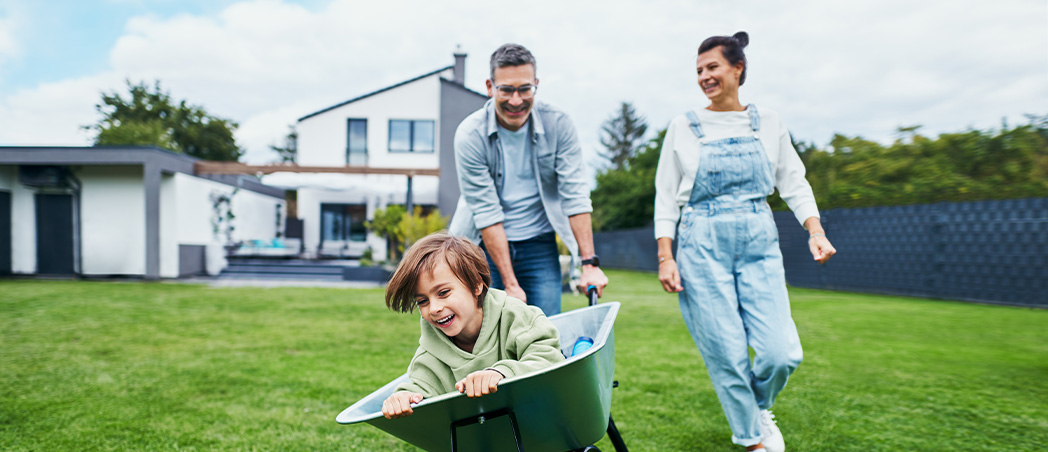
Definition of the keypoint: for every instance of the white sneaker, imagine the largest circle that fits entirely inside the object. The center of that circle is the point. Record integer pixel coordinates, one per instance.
(771, 437)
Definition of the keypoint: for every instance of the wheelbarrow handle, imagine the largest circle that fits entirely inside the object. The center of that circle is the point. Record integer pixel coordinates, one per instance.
(591, 292)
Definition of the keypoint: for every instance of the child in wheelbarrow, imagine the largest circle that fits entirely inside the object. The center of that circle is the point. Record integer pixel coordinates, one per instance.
(472, 336)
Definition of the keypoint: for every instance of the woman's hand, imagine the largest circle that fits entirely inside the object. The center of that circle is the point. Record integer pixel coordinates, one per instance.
(669, 275)
(399, 404)
(820, 246)
(481, 382)
(821, 249)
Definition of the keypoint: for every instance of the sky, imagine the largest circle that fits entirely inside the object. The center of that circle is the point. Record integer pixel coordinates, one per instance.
(857, 68)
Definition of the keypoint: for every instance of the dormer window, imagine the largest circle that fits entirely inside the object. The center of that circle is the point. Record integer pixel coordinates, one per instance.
(411, 135)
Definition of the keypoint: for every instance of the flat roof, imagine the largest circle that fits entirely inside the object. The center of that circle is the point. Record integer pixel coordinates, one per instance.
(154, 157)
(97, 155)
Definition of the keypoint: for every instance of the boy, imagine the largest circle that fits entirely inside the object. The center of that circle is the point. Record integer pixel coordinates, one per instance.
(472, 336)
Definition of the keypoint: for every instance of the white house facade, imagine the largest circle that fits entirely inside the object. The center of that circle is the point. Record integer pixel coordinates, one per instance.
(410, 125)
(124, 211)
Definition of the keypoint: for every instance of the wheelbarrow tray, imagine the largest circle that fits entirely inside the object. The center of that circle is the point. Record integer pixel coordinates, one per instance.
(560, 408)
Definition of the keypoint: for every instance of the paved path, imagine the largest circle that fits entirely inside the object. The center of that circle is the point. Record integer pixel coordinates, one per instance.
(279, 283)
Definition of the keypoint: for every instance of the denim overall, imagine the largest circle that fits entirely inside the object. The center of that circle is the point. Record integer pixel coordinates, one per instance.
(734, 283)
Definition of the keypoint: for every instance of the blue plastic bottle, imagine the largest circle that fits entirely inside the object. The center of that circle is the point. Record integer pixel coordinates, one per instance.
(581, 344)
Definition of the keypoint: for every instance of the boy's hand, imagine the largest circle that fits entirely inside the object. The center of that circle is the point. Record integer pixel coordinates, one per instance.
(479, 383)
(399, 404)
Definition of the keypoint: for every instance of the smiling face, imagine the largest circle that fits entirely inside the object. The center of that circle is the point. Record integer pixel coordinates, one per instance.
(512, 112)
(447, 304)
(718, 79)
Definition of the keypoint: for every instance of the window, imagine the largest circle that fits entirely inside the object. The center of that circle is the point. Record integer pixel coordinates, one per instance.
(357, 142)
(410, 135)
(343, 222)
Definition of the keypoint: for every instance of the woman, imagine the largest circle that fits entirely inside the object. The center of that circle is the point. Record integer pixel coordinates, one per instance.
(718, 165)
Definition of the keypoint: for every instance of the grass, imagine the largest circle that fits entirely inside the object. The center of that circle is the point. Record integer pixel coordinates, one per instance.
(133, 366)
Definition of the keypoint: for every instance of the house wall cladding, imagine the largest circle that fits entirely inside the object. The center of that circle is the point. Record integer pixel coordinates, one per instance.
(987, 251)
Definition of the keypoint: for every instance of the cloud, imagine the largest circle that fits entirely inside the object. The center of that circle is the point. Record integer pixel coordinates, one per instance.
(10, 16)
(30, 116)
(8, 47)
(858, 68)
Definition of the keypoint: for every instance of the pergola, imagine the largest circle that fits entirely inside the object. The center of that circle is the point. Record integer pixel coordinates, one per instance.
(213, 167)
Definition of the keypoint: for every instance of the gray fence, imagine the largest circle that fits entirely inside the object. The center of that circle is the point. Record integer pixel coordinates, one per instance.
(988, 251)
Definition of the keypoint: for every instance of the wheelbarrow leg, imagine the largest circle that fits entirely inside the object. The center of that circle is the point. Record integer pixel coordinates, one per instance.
(615, 437)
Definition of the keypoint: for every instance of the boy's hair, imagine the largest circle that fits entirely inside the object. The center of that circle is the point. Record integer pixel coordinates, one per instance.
(466, 260)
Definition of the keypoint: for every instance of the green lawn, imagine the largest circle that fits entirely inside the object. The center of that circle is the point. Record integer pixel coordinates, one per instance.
(133, 366)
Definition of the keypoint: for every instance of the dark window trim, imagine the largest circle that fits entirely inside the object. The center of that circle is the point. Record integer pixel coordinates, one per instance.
(348, 228)
(349, 122)
(411, 137)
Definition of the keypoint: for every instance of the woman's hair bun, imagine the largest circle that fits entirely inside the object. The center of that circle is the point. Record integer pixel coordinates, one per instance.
(742, 37)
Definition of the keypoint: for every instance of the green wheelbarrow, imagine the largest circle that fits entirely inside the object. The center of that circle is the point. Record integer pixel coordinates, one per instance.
(566, 407)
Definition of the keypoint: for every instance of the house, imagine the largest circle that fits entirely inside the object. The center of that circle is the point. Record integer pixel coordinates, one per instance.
(143, 211)
(409, 125)
(125, 211)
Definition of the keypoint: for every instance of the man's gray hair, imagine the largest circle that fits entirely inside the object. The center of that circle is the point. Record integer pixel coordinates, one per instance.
(511, 55)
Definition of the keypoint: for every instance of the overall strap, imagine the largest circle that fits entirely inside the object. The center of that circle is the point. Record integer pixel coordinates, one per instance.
(695, 127)
(755, 119)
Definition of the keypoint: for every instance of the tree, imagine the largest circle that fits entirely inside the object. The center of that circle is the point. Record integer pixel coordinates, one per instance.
(621, 135)
(625, 197)
(150, 118)
(386, 223)
(853, 172)
(968, 166)
(289, 152)
(415, 225)
(401, 229)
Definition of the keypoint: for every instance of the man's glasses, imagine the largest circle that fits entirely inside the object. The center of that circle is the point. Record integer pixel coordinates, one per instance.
(526, 91)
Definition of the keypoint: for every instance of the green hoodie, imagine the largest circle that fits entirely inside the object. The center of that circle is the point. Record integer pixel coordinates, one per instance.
(514, 339)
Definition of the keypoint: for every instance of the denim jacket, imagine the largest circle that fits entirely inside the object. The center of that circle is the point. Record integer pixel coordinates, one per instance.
(480, 165)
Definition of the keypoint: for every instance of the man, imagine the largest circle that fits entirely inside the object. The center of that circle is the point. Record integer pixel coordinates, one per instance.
(520, 171)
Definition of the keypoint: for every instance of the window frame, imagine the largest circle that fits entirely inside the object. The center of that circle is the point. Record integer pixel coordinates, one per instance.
(347, 228)
(349, 125)
(411, 136)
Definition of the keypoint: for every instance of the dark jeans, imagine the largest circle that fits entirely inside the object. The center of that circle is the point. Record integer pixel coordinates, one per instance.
(536, 263)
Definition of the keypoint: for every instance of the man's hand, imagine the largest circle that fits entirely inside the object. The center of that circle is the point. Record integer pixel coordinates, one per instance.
(399, 404)
(481, 382)
(592, 276)
(582, 228)
(516, 292)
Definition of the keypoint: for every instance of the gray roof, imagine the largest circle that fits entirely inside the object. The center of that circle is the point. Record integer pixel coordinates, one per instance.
(162, 159)
(405, 82)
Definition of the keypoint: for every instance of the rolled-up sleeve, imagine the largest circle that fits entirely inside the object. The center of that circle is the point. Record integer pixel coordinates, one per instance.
(475, 182)
(571, 183)
(790, 181)
(667, 184)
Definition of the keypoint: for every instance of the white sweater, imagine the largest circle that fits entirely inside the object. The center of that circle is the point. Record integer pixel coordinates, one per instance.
(679, 161)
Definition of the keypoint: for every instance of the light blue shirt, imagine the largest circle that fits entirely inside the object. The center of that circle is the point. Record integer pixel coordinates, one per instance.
(557, 159)
(521, 204)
